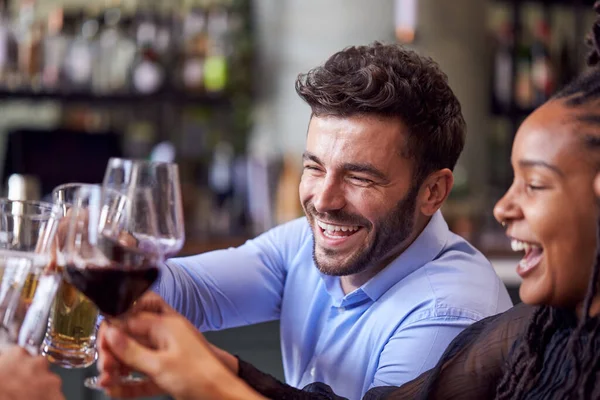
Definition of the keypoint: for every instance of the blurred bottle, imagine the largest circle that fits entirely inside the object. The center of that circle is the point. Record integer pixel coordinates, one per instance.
(221, 183)
(79, 61)
(543, 72)
(8, 48)
(287, 206)
(215, 64)
(503, 64)
(30, 46)
(524, 84)
(23, 187)
(195, 43)
(148, 73)
(116, 51)
(56, 42)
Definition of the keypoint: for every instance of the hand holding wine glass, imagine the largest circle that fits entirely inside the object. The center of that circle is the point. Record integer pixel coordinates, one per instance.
(106, 256)
(171, 352)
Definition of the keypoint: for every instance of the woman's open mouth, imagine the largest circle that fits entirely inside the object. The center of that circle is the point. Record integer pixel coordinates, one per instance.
(533, 255)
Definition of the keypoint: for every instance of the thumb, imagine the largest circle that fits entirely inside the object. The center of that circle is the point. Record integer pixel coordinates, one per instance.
(131, 353)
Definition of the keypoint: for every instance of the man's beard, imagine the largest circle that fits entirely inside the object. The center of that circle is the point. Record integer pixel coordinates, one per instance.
(392, 230)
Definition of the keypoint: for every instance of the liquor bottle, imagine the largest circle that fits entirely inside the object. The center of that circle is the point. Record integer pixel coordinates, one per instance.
(543, 73)
(55, 49)
(148, 73)
(215, 64)
(8, 48)
(195, 41)
(117, 52)
(81, 55)
(221, 183)
(523, 83)
(29, 40)
(503, 62)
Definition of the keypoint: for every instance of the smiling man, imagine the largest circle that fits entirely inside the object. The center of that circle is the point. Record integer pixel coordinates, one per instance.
(371, 286)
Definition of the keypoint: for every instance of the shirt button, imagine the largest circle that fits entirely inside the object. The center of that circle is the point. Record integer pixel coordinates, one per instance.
(313, 371)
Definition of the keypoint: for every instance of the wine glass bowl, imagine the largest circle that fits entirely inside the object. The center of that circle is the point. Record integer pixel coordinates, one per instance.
(105, 258)
(162, 180)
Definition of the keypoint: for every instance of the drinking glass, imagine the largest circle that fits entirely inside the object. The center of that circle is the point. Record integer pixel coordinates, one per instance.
(28, 280)
(71, 336)
(107, 256)
(162, 180)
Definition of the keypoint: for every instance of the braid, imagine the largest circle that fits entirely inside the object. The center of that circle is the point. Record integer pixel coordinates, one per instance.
(527, 359)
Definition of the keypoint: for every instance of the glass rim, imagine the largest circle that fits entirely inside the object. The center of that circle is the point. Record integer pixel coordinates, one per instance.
(121, 161)
(48, 209)
(70, 185)
(73, 184)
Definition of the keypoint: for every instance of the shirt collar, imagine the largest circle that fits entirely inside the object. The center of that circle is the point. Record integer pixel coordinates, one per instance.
(424, 249)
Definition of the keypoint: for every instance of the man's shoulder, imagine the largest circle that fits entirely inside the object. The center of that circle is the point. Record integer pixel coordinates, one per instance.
(462, 278)
(459, 282)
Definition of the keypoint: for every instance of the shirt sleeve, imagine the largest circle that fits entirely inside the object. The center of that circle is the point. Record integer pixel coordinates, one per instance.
(233, 287)
(416, 348)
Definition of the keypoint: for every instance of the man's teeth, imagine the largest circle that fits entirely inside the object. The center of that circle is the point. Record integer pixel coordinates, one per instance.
(335, 228)
(517, 245)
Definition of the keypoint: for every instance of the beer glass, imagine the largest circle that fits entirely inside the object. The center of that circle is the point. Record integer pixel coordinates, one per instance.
(71, 336)
(28, 281)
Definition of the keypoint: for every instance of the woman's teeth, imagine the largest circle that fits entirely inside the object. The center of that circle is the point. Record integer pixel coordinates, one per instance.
(533, 254)
(517, 245)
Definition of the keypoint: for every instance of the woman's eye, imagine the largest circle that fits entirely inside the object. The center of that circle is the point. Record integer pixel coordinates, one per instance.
(535, 187)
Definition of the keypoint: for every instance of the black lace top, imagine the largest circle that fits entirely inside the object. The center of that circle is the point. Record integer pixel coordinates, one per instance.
(471, 367)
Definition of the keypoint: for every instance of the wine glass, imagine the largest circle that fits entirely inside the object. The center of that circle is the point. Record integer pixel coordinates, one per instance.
(28, 281)
(71, 336)
(162, 180)
(107, 255)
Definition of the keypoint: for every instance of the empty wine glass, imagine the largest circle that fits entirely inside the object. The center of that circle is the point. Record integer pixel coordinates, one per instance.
(162, 180)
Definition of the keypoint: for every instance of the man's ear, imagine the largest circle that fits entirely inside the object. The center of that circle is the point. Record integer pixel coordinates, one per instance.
(435, 190)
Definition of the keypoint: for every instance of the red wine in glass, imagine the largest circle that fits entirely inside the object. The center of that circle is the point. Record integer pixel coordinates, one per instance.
(115, 287)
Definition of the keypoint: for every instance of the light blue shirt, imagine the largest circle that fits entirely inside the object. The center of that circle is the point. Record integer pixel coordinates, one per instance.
(386, 332)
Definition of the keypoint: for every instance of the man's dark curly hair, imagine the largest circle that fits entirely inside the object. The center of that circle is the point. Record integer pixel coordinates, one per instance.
(390, 80)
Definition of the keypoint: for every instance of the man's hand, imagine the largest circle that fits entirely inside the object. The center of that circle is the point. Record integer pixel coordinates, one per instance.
(25, 377)
(176, 357)
(112, 368)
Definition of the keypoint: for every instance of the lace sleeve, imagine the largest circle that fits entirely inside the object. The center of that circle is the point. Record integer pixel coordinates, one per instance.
(270, 387)
(472, 365)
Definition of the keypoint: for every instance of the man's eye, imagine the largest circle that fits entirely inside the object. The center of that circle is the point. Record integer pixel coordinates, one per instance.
(361, 180)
